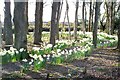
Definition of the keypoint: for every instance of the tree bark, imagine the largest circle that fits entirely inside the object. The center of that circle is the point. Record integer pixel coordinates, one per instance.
(76, 20)
(118, 46)
(20, 21)
(97, 12)
(53, 23)
(8, 33)
(90, 15)
(83, 20)
(26, 9)
(38, 22)
(67, 9)
(58, 18)
(0, 33)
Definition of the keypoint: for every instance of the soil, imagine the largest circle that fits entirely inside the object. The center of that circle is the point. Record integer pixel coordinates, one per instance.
(102, 64)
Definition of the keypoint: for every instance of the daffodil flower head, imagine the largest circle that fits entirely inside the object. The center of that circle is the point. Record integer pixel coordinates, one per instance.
(24, 60)
(40, 58)
(21, 50)
(49, 46)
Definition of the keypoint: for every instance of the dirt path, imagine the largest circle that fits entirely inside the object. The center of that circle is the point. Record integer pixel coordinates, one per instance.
(100, 65)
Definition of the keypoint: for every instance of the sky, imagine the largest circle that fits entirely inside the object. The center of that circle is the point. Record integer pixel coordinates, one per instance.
(47, 10)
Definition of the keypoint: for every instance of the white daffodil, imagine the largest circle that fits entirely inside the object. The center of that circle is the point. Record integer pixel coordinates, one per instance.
(48, 55)
(2, 53)
(59, 54)
(11, 52)
(12, 49)
(63, 52)
(70, 50)
(31, 55)
(31, 61)
(58, 50)
(49, 46)
(44, 55)
(24, 60)
(36, 48)
(35, 56)
(16, 52)
(40, 58)
(48, 58)
(21, 50)
(39, 62)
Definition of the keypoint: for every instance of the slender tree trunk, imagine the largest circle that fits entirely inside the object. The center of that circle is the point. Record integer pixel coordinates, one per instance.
(111, 18)
(8, 24)
(63, 23)
(26, 9)
(76, 20)
(53, 23)
(118, 46)
(0, 33)
(38, 22)
(58, 17)
(90, 15)
(83, 20)
(67, 9)
(20, 21)
(107, 20)
(97, 11)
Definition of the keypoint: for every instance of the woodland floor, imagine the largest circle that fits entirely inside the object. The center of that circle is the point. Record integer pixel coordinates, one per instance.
(102, 64)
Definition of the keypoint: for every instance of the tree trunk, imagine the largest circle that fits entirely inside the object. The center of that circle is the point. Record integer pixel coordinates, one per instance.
(8, 33)
(26, 8)
(90, 15)
(38, 22)
(0, 33)
(67, 9)
(111, 18)
(76, 20)
(53, 23)
(118, 46)
(58, 18)
(97, 11)
(83, 20)
(20, 21)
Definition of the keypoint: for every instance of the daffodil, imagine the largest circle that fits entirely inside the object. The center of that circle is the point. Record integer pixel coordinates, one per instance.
(21, 50)
(35, 56)
(24, 60)
(36, 48)
(49, 46)
(58, 50)
(40, 58)
(16, 52)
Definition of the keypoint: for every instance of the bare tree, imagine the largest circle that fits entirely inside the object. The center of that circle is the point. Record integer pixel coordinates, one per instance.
(8, 33)
(26, 9)
(0, 33)
(90, 15)
(20, 22)
(38, 22)
(83, 20)
(53, 23)
(118, 46)
(97, 12)
(59, 9)
(67, 10)
(76, 20)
